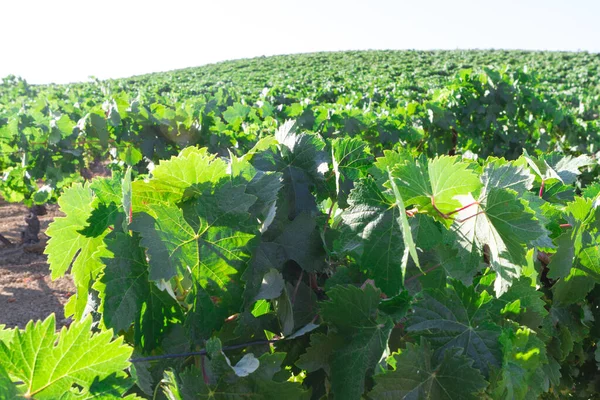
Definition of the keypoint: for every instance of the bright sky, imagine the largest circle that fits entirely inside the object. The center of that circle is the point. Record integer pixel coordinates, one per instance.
(64, 41)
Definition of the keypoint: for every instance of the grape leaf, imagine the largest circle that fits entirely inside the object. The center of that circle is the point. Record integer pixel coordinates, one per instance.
(49, 363)
(522, 303)
(558, 166)
(67, 245)
(421, 375)
(503, 224)
(409, 243)
(211, 235)
(8, 390)
(524, 355)
(371, 232)
(353, 315)
(318, 354)
(502, 175)
(351, 159)
(221, 382)
(458, 317)
(431, 184)
(302, 163)
(128, 296)
(171, 178)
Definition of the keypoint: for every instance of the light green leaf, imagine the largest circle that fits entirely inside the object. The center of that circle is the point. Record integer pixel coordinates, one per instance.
(67, 245)
(409, 243)
(50, 363)
(351, 159)
(431, 184)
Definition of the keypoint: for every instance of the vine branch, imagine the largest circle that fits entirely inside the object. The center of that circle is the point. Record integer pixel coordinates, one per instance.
(203, 352)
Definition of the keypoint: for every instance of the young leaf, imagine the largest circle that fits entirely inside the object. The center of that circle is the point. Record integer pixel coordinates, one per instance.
(351, 159)
(50, 363)
(432, 185)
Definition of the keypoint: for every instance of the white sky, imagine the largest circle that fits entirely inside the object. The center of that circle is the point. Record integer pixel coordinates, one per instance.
(65, 41)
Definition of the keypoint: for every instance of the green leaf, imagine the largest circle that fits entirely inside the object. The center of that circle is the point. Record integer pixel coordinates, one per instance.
(67, 245)
(101, 218)
(318, 354)
(363, 334)
(50, 363)
(409, 243)
(302, 163)
(6, 334)
(524, 355)
(351, 159)
(522, 303)
(8, 390)
(171, 178)
(285, 313)
(431, 184)
(502, 175)
(583, 275)
(300, 240)
(503, 224)
(221, 382)
(97, 127)
(397, 306)
(271, 285)
(562, 261)
(128, 296)
(421, 375)
(372, 234)
(211, 235)
(235, 113)
(458, 317)
(558, 166)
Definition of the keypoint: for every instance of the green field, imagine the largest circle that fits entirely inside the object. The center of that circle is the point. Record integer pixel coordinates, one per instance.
(353, 225)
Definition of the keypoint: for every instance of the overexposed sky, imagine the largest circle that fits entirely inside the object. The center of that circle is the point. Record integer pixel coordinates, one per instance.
(63, 41)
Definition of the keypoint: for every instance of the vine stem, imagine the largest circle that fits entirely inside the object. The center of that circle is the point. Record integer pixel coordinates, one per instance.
(460, 221)
(297, 287)
(463, 208)
(204, 374)
(328, 218)
(541, 193)
(203, 352)
(412, 278)
(448, 216)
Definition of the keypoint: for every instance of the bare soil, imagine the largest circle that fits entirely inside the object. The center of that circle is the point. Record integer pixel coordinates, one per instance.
(26, 289)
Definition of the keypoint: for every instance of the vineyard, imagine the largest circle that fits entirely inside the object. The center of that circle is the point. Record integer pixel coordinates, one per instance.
(355, 225)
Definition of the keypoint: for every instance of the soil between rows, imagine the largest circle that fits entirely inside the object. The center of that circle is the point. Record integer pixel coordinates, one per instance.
(26, 290)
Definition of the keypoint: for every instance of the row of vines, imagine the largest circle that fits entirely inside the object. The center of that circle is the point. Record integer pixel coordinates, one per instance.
(315, 234)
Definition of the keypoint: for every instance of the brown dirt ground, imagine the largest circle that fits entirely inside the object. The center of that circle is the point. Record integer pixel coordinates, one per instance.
(26, 290)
